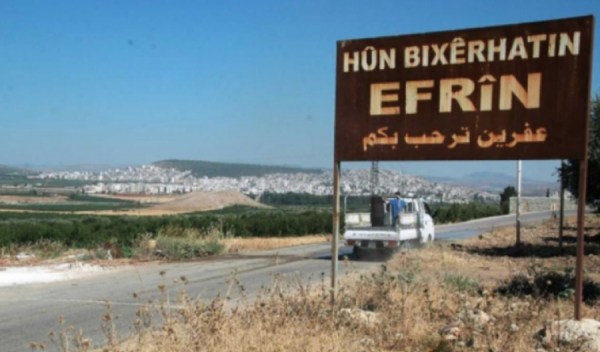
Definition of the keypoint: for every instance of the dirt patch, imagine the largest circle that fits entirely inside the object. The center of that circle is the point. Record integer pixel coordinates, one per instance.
(493, 257)
(162, 205)
(142, 198)
(540, 245)
(197, 201)
(441, 260)
(20, 200)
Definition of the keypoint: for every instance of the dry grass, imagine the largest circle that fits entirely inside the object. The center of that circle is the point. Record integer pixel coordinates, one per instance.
(539, 247)
(142, 198)
(235, 245)
(19, 200)
(443, 298)
(193, 245)
(197, 201)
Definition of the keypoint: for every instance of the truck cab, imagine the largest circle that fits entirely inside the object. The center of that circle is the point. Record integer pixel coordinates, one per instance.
(376, 230)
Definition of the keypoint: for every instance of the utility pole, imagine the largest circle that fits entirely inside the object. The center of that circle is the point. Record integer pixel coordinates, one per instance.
(374, 177)
(562, 203)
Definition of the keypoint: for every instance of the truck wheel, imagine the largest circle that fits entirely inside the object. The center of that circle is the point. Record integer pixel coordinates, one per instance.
(427, 239)
(356, 252)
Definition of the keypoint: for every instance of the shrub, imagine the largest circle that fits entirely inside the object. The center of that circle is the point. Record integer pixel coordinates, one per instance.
(519, 285)
(90, 232)
(444, 213)
(175, 242)
(549, 284)
(187, 248)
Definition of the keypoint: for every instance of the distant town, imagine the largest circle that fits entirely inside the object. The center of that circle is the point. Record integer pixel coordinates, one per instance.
(154, 180)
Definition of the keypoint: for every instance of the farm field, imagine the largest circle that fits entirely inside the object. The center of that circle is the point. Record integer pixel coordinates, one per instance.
(136, 205)
(58, 202)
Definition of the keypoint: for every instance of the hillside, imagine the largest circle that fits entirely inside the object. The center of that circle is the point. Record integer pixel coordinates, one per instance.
(13, 171)
(496, 182)
(216, 169)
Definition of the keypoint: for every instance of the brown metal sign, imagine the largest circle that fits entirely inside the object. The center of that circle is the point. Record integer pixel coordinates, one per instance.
(509, 92)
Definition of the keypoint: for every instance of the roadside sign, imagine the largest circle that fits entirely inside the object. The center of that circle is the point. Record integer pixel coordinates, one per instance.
(506, 92)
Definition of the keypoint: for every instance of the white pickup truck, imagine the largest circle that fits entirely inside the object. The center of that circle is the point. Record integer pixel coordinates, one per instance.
(414, 225)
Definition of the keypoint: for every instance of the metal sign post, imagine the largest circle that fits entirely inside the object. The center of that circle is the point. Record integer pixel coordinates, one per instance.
(561, 219)
(580, 238)
(518, 212)
(336, 231)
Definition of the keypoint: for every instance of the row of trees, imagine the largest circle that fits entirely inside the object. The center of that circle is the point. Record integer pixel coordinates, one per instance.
(353, 203)
(571, 168)
(91, 231)
(441, 212)
(453, 212)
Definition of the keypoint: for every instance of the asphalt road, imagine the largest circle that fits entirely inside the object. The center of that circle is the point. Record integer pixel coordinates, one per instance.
(474, 227)
(29, 312)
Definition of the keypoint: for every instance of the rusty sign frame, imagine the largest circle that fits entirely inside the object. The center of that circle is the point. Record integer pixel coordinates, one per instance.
(506, 92)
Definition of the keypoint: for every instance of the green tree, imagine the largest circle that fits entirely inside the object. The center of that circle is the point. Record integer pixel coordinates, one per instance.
(571, 169)
(508, 192)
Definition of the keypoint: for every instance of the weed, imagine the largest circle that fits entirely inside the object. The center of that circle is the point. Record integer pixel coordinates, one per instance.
(461, 283)
(46, 248)
(109, 327)
(67, 339)
(186, 243)
(292, 315)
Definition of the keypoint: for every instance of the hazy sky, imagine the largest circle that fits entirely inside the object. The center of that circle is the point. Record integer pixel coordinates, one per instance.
(131, 82)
